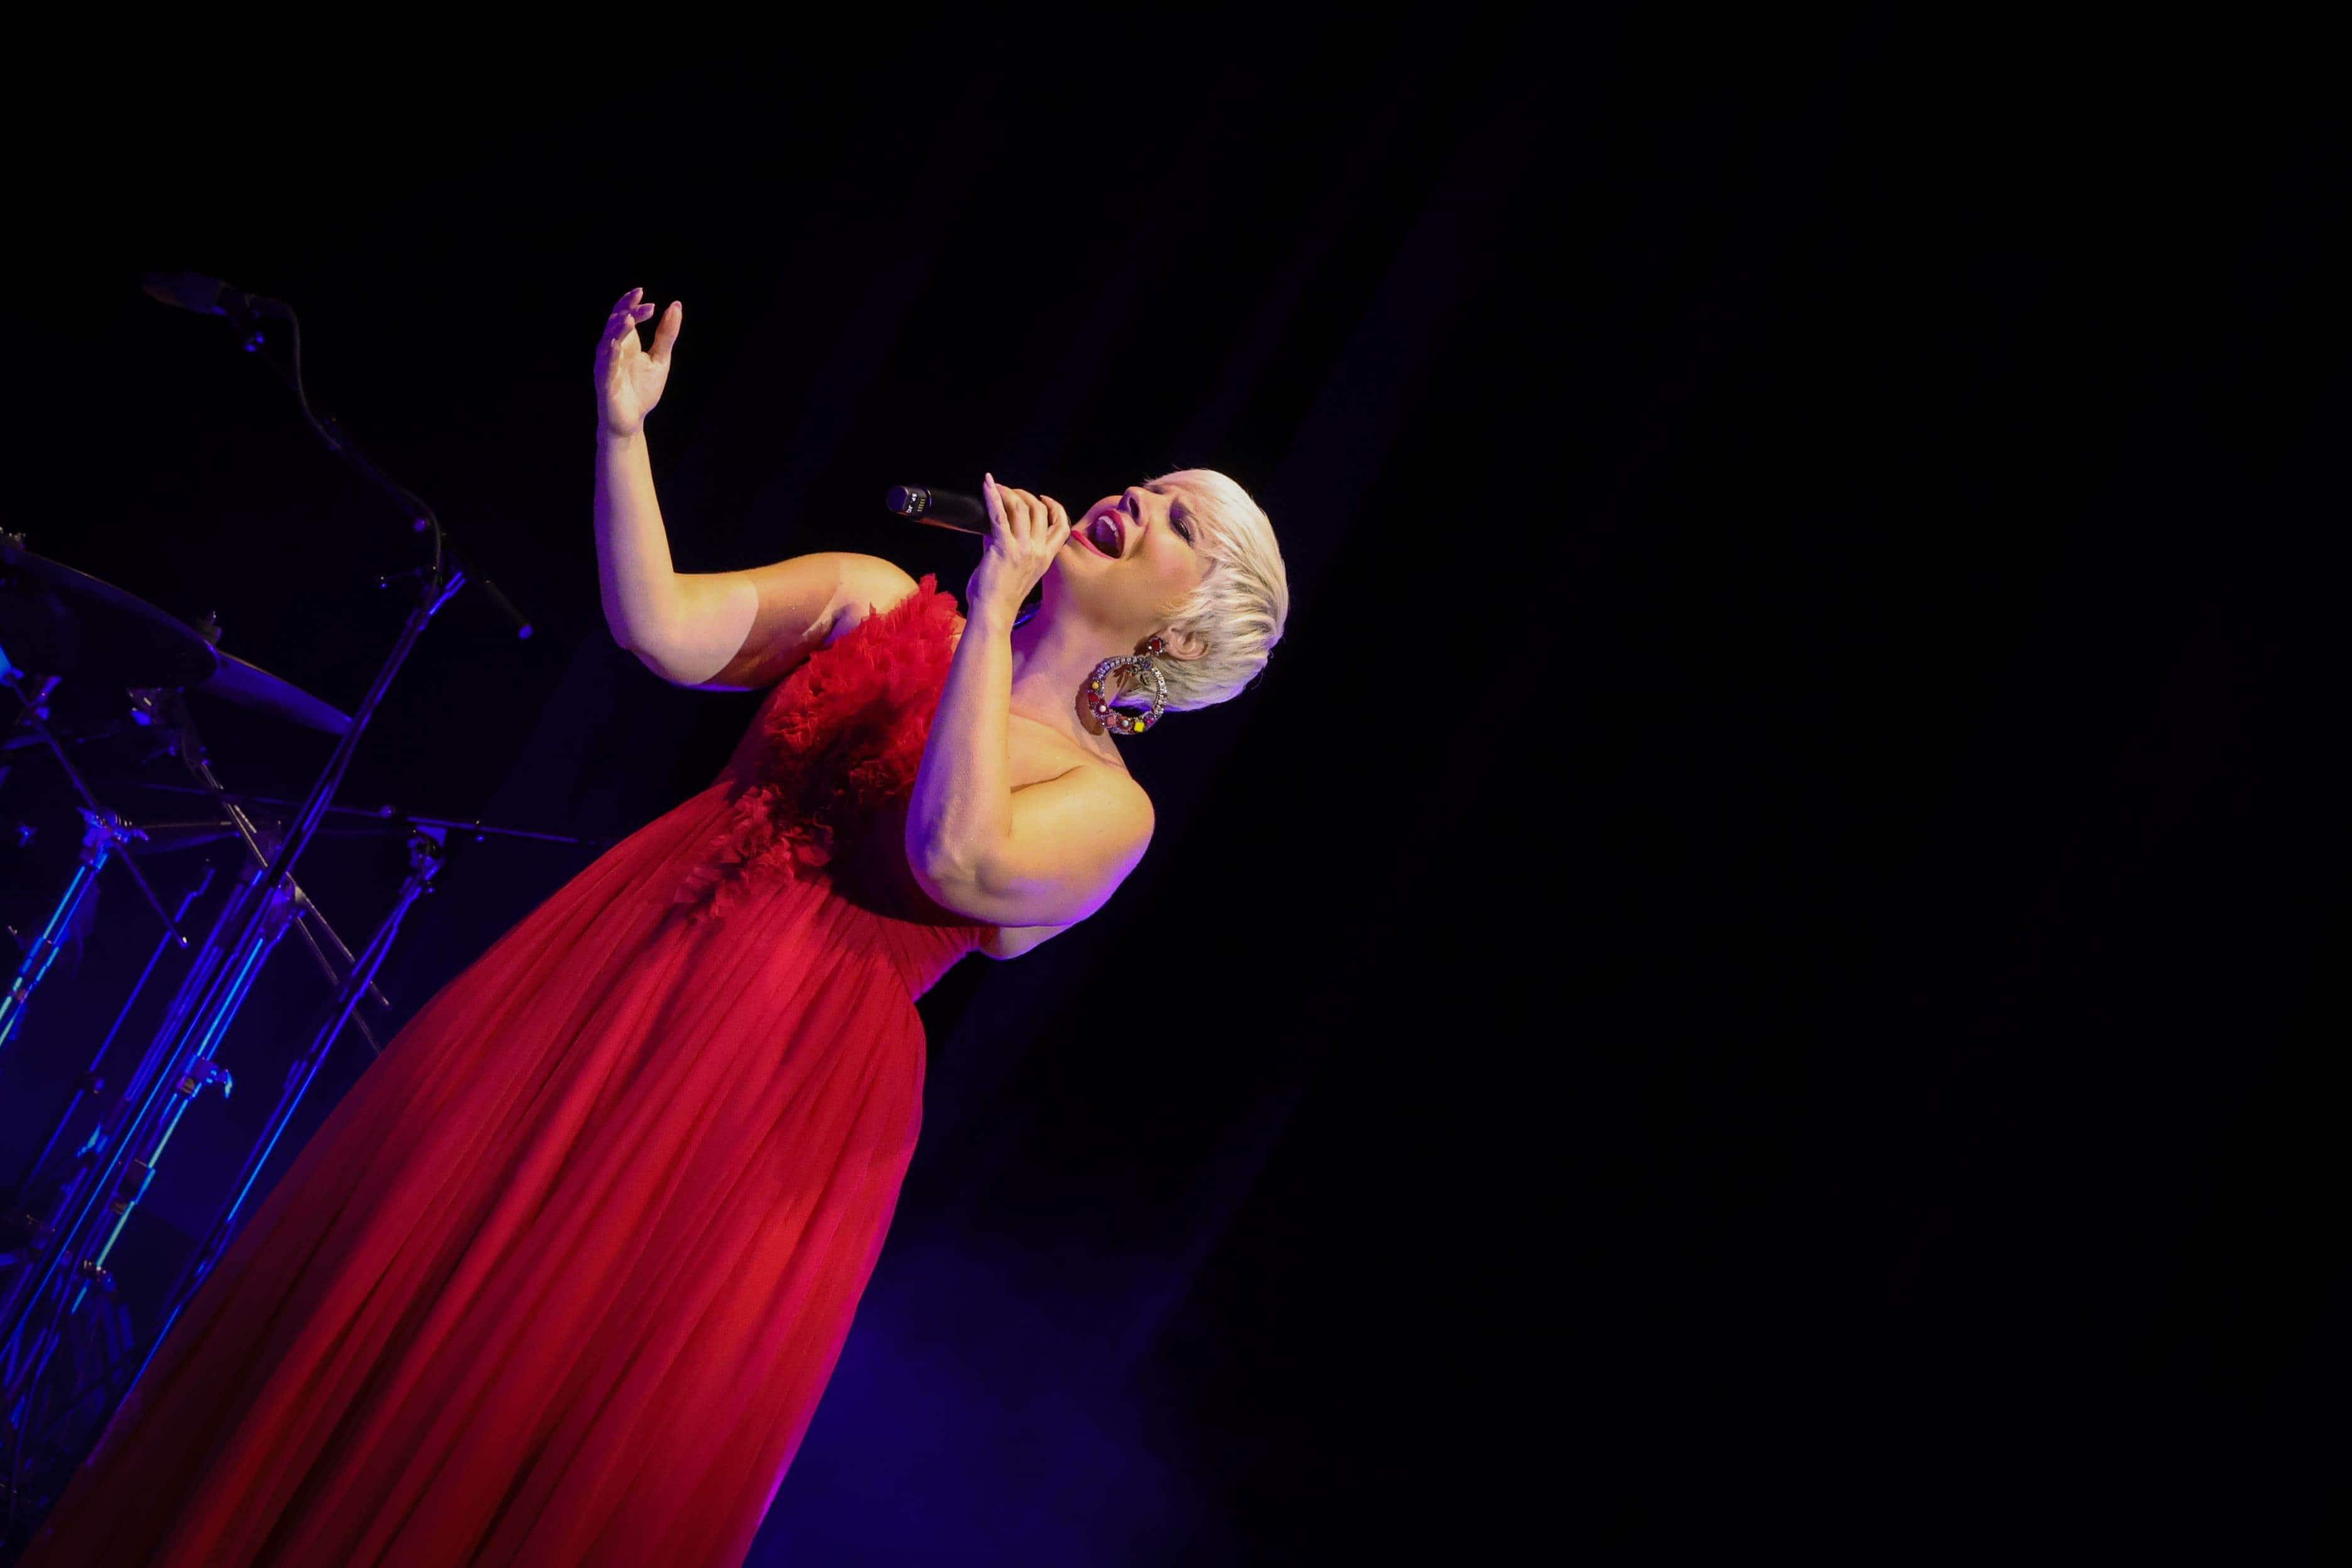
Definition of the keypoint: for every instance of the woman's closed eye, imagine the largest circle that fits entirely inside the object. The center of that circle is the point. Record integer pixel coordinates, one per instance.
(1176, 518)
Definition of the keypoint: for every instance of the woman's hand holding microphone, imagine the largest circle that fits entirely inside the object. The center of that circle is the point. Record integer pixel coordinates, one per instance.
(1025, 533)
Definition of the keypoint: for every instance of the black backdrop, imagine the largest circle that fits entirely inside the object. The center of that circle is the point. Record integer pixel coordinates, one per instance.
(1765, 962)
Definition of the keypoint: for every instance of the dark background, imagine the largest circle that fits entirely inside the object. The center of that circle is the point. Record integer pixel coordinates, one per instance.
(1766, 962)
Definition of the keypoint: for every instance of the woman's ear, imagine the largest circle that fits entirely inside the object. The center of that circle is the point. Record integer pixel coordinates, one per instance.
(1182, 644)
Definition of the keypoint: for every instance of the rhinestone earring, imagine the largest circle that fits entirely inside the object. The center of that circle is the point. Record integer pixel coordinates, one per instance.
(1129, 672)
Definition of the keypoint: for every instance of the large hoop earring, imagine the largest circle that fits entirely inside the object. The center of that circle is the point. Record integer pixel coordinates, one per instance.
(1129, 672)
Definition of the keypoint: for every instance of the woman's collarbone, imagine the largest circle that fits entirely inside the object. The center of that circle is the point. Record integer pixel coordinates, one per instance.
(1048, 745)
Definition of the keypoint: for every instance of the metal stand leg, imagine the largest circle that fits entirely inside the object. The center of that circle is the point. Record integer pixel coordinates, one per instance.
(69, 1251)
(424, 857)
(101, 830)
(93, 1078)
(177, 1067)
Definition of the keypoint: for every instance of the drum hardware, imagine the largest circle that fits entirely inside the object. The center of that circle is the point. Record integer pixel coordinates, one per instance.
(56, 1271)
(426, 848)
(84, 627)
(64, 621)
(474, 827)
(29, 715)
(157, 1108)
(20, 734)
(102, 832)
(111, 1168)
(166, 711)
(36, 1228)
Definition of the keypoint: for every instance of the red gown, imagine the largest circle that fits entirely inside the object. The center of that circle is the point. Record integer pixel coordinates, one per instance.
(561, 1280)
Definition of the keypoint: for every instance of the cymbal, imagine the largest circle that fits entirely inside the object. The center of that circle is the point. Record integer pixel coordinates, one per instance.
(250, 686)
(86, 629)
(61, 621)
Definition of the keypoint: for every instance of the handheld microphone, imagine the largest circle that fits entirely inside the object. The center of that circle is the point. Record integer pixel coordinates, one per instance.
(940, 509)
(950, 509)
(209, 296)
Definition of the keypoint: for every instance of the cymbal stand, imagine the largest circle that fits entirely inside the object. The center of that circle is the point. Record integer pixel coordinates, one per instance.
(93, 1079)
(260, 907)
(169, 711)
(426, 846)
(69, 1247)
(29, 714)
(248, 929)
(102, 831)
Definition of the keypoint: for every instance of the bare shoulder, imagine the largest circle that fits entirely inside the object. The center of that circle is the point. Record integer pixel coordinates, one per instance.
(1077, 776)
(1079, 793)
(1116, 786)
(1077, 800)
(869, 586)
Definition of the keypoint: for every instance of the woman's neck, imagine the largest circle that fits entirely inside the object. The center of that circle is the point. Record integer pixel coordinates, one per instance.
(1052, 657)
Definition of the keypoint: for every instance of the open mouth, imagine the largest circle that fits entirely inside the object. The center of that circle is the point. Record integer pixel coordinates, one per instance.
(1104, 535)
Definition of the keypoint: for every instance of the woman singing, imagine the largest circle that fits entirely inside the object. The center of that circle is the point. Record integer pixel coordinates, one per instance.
(561, 1280)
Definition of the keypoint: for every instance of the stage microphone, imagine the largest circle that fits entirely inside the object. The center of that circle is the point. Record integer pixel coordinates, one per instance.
(210, 296)
(940, 509)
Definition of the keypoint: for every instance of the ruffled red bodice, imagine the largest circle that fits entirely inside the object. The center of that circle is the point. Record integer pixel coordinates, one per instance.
(833, 753)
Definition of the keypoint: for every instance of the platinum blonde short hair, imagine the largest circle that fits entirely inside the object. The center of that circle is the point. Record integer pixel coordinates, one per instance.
(1237, 612)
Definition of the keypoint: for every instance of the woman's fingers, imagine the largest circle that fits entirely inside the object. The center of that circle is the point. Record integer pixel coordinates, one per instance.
(1019, 513)
(1025, 532)
(1007, 508)
(667, 333)
(632, 312)
(628, 311)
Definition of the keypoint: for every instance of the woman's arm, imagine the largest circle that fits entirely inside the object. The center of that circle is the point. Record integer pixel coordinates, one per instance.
(722, 629)
(717, 631)
(1048, 852)
(686, 629)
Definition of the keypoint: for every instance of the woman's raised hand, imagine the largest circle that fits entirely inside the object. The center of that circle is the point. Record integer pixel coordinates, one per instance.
(630, 378)
(1025, 534)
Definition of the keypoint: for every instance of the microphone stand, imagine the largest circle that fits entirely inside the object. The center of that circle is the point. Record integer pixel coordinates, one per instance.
(422, 518)
(69, 1256)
